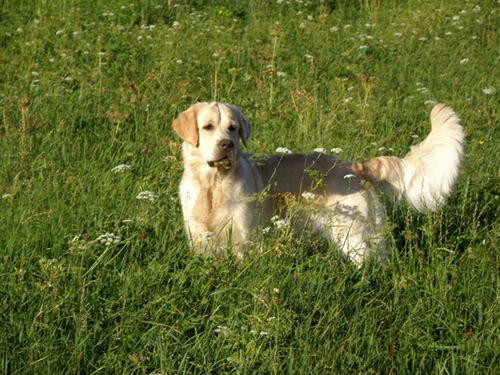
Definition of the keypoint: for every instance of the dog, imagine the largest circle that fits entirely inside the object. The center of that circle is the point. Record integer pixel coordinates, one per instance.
(220, 185)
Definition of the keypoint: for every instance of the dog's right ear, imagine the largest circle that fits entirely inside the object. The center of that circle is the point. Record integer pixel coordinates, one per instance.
(186, 126)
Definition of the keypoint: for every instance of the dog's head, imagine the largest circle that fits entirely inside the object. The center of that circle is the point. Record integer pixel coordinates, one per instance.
(214, 129)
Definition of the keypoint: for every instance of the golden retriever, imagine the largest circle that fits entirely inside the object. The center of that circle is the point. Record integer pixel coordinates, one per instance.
(220, 184)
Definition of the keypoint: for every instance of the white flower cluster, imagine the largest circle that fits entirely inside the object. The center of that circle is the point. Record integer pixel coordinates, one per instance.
(336, 150)
(222, 329)
(108, 239)
(283, 150)
(121, 168)
(149, 195)
(489, 90)
(206, 235)
(349, 176)
(262, 333)
(309, 196)
(280, 223)
(321, 150)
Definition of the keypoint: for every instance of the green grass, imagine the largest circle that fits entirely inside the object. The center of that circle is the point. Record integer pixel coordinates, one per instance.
(85, 88)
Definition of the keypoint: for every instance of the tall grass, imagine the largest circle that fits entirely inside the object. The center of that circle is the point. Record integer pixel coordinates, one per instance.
(88, 86)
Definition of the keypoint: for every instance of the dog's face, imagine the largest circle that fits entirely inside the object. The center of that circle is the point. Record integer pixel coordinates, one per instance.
(214, 129)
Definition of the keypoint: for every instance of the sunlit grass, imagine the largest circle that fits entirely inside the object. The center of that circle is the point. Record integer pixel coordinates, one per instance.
(96, 275)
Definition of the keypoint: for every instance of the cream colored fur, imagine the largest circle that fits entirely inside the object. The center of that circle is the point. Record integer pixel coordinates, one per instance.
(219, 182)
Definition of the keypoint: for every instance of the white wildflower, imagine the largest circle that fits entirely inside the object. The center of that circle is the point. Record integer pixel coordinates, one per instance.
(108, 239)
(309, 56)
(310, 18)
(281, 74)
(362, 47)
(6, 196)
(477, 8)
(207, 236)
(432, 102)
(121, 168)
(347, 100)
(464, 61)
(19, 30)
(398, 34)
(179, 61)
(308, 195)
(283, 150)
(149, 195)
(302, 25)
(448, 33)
(222, 329)
(69, 79)
(349, 176)
(59, 32)
(266, 229)
(264, 333)
(176, 24)
(415, 136)
(334, 29)
(336, 150)
(489, 90)
(280, 224)
(347, 26)
(320, 150)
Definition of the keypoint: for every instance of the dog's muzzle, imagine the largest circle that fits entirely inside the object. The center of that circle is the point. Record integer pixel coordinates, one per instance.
(225, 154)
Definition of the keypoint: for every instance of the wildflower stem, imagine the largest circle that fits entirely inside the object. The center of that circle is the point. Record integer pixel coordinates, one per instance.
(275, 46)
(217, 67)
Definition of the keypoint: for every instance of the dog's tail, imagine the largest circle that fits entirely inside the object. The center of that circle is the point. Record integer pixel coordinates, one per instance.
(425, 176)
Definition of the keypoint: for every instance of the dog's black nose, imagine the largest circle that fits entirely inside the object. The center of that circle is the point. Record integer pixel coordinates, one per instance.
(225, 144)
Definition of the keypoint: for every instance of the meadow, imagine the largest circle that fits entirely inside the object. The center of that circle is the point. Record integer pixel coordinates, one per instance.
(96, 276)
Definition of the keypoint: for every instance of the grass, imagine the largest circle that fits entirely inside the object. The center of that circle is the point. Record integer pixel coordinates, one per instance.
(86, 87)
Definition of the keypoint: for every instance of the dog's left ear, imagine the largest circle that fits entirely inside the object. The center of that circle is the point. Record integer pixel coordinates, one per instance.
(186, 126)
(245, 127)
(245, 130)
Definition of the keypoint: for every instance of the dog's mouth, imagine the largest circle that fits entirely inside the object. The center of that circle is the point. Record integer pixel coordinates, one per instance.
(225, 161)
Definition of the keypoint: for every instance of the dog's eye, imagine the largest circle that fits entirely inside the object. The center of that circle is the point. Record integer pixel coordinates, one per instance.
(232, 128)
(208, 127)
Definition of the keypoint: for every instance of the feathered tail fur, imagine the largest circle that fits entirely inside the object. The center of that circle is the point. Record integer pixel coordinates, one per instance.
(426, 175)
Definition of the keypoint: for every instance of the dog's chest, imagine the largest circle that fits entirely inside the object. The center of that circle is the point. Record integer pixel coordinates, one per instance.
(210, 202)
